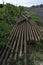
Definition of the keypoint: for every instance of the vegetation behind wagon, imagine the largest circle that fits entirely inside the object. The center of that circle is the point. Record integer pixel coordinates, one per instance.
(9, 14)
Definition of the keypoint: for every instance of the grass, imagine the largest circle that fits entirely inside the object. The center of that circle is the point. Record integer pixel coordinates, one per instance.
(36, 56)
(35, 18)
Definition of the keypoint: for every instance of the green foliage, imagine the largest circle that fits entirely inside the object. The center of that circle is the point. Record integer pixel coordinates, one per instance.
(21, 9)
(5, 29)
(41, 6)
(35, 18)
(36, 55)
(9, 14)
(36, 58)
